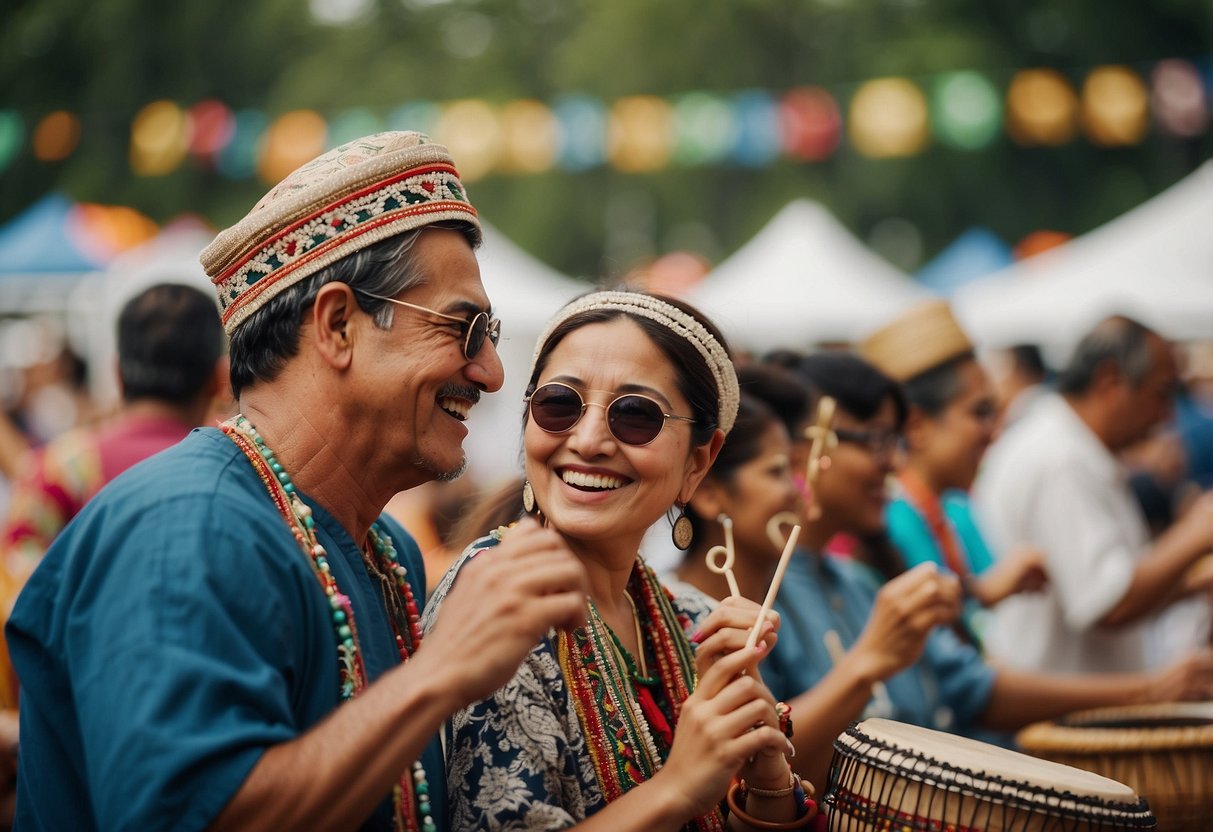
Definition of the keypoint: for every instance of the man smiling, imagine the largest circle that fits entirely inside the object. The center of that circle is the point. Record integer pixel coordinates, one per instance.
(185, 646)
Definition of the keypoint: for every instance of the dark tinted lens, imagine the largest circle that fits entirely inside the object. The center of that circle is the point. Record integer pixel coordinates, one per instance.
(555, 408)
(477, 331)
(635, 419)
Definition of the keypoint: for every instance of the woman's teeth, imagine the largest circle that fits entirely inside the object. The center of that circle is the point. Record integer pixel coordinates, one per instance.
(580, 480)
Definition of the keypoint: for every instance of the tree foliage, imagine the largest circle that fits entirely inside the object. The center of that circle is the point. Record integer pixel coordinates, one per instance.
(105, 60)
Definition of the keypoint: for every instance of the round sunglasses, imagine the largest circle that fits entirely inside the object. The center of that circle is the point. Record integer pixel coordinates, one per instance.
(633, 419)
(475, 330)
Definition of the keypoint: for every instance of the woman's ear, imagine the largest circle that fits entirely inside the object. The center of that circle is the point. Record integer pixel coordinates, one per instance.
(698, 464)
(917, 429)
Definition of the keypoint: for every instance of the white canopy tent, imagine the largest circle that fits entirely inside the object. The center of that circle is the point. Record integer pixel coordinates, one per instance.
(1154, 263)
(802, 279)
(525, 293)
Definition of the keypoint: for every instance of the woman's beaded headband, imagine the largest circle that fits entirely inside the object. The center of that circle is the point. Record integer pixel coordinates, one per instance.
(674, 319)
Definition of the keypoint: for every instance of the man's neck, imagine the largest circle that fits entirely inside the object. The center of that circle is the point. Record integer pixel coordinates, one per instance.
(159, 411)
(1091, 414)
(321, 456)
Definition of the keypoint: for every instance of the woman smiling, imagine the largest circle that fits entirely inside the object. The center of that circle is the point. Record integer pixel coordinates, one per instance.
(621, 723)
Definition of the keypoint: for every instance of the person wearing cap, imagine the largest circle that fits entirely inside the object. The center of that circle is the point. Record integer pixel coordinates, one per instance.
(950, 423)
(1054, 481)
(854, 643)
(228, 635)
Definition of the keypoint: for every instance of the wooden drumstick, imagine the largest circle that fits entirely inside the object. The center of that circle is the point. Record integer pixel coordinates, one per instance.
(774, 588)
(730, 557)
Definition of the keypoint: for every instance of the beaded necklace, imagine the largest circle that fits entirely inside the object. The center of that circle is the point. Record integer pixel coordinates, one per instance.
(411, 796)
(599, 677)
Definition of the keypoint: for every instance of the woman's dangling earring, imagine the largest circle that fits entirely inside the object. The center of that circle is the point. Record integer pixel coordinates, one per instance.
(528, 497)
(823, 465)
(682, 533)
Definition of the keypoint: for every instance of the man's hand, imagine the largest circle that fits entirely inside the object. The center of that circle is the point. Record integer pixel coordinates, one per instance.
(504, 601)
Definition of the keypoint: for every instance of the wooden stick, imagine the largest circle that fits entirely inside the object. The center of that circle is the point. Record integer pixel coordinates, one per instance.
(774, 588)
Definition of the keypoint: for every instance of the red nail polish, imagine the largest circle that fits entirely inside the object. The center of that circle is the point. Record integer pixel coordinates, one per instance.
(697, 637)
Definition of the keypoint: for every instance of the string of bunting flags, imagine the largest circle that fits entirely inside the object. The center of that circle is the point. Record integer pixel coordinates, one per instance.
(1110, 106)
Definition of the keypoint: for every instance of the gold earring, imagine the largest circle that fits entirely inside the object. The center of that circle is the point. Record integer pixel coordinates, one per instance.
(528, 497)
(683, 532)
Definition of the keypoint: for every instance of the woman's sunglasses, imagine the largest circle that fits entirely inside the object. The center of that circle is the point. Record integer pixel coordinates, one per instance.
(632, 419)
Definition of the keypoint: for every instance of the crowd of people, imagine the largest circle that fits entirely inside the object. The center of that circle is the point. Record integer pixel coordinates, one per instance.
(233, 633)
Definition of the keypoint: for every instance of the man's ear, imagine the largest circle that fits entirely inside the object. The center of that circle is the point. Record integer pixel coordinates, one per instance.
(331, 321)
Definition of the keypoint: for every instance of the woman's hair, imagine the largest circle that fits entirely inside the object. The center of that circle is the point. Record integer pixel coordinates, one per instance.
(780, 389)
(932, 391)
(754, 419)
(854, 384)
(486, 512)
(695, 380)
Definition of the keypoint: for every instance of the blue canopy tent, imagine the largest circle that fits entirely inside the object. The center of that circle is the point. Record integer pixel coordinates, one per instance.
(40, 258)
(973, 255)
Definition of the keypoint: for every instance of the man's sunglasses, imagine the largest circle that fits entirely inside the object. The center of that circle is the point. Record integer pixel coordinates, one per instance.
(474, 330)
(632, 419)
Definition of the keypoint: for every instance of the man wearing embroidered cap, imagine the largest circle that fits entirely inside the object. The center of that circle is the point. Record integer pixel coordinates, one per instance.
(185, 646)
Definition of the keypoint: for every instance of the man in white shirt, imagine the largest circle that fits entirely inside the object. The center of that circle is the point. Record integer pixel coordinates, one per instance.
(1054, 482)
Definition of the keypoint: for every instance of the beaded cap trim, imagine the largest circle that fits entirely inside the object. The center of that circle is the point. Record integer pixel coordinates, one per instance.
(345, 200)
(674, 319)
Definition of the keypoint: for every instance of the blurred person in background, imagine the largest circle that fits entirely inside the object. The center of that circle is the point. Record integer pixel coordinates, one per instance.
(1020, 378)
(171, 369)
(1055, 481)
(848, 646)
(951, 421)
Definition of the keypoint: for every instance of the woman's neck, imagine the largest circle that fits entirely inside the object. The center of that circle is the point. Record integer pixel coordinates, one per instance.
(917, 469)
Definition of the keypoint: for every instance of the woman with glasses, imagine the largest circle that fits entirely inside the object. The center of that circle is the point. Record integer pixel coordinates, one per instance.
(950, 423)
(849, 647)
(622, 723)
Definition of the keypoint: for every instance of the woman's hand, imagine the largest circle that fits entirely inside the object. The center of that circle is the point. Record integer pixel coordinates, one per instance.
(725, 631)
(728, 725)
(1023, 570)
(907, 608)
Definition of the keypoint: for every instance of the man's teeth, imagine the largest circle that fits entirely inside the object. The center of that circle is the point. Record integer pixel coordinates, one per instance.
(456, 407)
(590, 480)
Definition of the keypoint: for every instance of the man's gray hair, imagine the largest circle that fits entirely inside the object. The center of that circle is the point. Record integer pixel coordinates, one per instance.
(1120, 340)
(270, 337)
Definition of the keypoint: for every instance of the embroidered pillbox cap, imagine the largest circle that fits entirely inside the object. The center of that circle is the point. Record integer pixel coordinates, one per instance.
(921, 339)
(349, 198)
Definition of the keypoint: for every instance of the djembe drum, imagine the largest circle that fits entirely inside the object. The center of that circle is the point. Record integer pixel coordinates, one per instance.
(887, 775)
(1164, 752)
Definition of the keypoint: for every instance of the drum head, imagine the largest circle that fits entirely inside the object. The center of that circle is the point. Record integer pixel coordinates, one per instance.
(891, 772)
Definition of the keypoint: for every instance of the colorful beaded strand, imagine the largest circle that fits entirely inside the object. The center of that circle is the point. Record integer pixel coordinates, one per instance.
(353, 678)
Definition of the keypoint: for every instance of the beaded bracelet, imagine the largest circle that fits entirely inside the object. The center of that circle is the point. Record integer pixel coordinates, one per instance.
(784, 711)
(808, 806)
